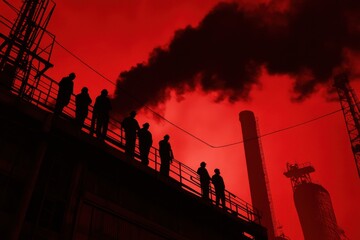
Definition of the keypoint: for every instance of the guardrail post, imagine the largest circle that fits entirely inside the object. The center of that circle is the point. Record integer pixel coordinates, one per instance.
(156, 159)
(230, 203)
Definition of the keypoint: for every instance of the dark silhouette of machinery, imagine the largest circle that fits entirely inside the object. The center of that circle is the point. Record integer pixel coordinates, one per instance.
(59, 183)
(313, 205)
(25, 53)
(351, 109)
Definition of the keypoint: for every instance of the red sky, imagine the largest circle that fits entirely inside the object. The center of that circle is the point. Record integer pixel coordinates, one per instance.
(112, 36)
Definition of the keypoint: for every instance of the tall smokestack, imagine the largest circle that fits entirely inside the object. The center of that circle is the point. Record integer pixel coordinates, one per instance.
(256, 171)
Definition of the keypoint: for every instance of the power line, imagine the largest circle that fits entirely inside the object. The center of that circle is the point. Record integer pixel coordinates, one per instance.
(182, 129)
(83, 62)
(283, 129)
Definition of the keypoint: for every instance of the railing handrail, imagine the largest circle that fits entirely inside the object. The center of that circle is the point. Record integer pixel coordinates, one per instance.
(44, 96)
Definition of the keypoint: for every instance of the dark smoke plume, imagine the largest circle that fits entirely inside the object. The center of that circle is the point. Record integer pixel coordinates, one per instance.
(226, 51)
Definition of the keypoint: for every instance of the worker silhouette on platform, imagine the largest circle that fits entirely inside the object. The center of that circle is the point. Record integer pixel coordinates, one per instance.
(82, 102)
(101, 115)
(145, 143)
(219, 186)
(204, 180)
(66, 87)
(166, 155)
(131, 127)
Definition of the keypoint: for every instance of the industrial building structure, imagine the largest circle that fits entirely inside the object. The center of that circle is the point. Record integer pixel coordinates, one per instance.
(351, 110)
(313, 205)
(59, 182)
(258, 180)
(312, 201)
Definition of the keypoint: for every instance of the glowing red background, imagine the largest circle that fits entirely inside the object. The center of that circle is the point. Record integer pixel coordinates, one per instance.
(114, 35)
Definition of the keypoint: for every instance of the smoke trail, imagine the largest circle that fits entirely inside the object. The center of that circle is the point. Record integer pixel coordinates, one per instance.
(225, 52)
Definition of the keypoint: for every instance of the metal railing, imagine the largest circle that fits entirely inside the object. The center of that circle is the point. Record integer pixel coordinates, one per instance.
(42, 92)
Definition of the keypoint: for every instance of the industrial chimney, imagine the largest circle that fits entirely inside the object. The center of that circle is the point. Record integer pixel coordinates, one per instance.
(313, 205)
(256, 171)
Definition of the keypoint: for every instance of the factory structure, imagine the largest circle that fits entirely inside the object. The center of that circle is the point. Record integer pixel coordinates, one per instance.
(258, 180)
(351, 110)
(313, 204)
(58, 182)
(312, 201)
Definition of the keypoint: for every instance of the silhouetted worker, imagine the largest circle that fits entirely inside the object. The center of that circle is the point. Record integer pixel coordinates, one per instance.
(131, 127)
(204, 180)
(166, 155)
(101, 116)
(219, 186)
(145, 143)
(82, 102)
(66, 87)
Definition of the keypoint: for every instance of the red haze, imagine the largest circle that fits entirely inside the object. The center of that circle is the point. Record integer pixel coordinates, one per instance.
(115, 35)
